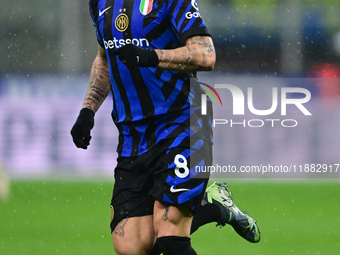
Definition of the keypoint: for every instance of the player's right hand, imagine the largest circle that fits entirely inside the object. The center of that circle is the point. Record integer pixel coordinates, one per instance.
(133, 56)
(82, 128)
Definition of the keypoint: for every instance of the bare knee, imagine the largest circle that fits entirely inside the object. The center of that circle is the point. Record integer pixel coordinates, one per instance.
(126, 248)
(135, 246)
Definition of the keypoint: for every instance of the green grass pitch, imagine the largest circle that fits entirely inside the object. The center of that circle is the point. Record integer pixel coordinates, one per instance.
(72, 217)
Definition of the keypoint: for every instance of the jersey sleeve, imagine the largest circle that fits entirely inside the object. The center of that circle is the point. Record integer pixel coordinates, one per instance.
(186, 19)
(93, 4)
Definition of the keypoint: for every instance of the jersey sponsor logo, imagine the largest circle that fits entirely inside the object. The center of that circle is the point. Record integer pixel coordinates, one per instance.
(173, 190)
(145, 6)
(117, 43)
(196, 14)
(103, 11)
(190, 15)
(122, 22)
(194, 4)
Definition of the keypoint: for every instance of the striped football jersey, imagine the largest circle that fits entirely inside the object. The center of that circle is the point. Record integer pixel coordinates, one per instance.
(149, 104)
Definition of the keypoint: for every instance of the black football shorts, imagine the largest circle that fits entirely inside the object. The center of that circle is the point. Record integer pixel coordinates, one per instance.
(166, 173)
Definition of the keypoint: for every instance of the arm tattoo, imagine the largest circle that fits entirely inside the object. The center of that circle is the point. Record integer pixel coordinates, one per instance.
(198, 54)
(99, 85)
(119, 229)
(204, 42)
(186, 59)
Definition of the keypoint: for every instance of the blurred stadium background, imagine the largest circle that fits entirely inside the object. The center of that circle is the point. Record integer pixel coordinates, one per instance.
(54, 197)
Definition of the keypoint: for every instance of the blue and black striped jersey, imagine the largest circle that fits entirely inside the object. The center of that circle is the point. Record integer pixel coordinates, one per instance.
(149, 104)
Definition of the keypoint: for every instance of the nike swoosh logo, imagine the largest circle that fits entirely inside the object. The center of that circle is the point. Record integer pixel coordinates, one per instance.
(176, 190)
(102, 12)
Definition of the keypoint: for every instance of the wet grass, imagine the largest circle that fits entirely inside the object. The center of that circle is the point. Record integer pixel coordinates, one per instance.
(72, 217)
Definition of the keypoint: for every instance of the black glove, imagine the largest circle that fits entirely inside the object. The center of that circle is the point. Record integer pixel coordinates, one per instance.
(133, 56)
(81, 129)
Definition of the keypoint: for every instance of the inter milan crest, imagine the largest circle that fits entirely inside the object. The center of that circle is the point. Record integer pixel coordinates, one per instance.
(145, 6)
(122, 21)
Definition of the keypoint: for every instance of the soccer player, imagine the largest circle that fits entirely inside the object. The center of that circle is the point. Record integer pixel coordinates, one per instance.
(148, 55)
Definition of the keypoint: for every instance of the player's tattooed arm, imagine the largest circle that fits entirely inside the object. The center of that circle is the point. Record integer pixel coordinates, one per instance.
(198, 54)
(99, 86)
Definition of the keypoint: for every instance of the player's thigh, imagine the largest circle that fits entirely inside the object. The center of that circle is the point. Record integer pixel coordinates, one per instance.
(179, 189)
(134, 236)
(172, 220)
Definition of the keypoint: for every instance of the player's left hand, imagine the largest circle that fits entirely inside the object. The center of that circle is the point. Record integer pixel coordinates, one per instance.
(81, 130)
(132, 56)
